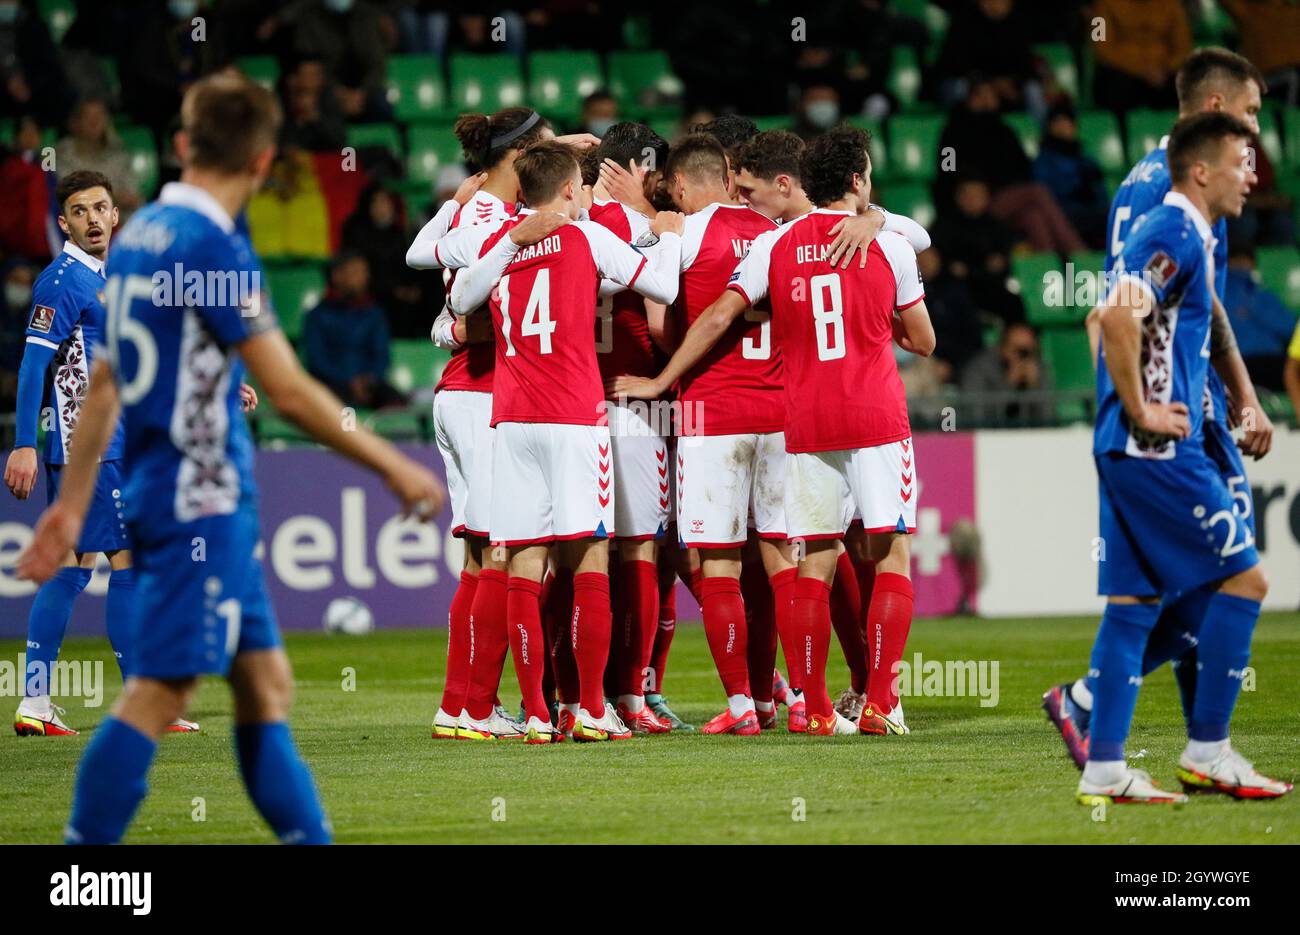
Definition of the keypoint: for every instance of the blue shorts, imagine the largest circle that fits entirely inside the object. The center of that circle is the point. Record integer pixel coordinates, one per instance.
(1167, 526)
(1223, 451)
(200, 598)
(105, 527)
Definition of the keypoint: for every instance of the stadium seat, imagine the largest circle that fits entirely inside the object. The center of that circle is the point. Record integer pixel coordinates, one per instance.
(1291, 135)
(912, 199)
(416, 90)
(644, 81)
(264, 69)
(1092, 261)
(1099, 134)
(1211, 23)
(904, 79)
(914, 145)
(144, 157)
(1144, 129)
(375, 136)
(558, 81)
(1068, 356)
(295, 290)
(880, 163)
(778, 122)
(430, 147)
(58, 16)
(413, 424)
(415, 364)
(1270, 139)
(1029, 274)
(1279, 270)
(1060, 60)
(485, 83)
(1027, 130)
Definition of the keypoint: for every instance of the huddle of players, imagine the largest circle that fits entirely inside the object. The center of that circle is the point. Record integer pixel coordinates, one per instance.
(762, 318)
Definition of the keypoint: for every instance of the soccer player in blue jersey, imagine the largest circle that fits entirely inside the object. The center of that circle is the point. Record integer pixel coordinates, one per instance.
(185, 316)
(1167, 516)
(1212, 80)
(65, 328)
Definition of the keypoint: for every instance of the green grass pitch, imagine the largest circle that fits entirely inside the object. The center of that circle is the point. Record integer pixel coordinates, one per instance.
(966, 774)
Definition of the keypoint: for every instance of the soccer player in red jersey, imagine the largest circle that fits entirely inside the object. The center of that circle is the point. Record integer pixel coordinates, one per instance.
(846, 421)
(552, 478)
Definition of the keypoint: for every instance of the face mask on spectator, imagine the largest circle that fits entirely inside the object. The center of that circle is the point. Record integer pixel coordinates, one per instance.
(822, 114)
(8, 13)
(183, 9)
(599, 126)
(339, 6)
(17, 295)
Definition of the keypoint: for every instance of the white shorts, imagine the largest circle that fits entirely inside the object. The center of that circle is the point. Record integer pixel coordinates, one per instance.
(462, 426)
(551, 482)
(727, 483)
(642, 475)
(826, 490)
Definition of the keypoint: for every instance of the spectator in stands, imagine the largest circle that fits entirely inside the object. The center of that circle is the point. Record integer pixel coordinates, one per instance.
(346, 338)
(599, 113)
(953, 312)
(27, 195)
(991, 38)
(1262, 323)
(348, 36)
(32, 80)
(877, 31)
(977, 141)
(15, 308)
(92, 143)
(377, 231)
(977, 247)
(819, 110)
(168, 52)
(312, 120)
(1072, 176)
(1012, 379)
(1270, 37)
(1143, 43)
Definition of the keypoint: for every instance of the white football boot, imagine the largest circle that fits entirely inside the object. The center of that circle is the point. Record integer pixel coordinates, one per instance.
(1133, 787)
(1230, 773)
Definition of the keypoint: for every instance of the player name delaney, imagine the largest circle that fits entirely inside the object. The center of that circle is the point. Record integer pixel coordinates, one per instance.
(103, 888)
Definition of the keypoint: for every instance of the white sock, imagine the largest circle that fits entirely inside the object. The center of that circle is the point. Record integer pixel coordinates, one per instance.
(765, 706)
(1080, 695)
(1203, 751)
(571, 708)
(35, 704)
(740, 704)
(1104, 772)
(796, 694)
(633, 703)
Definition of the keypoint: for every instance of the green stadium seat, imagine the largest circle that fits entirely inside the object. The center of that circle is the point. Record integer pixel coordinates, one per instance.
(375, 136)
(295, 290)
(1144, 129)
(1029, 278)
(914, 145)
(1270, 139)
(643, 81)
(1068, 355)
(1060, 59)
(58, 16)
(1027, 130)
(485, 83)
(778, 122)
(912, 199)
(1291, 135)
(558, 81)
(1092, 261)
(264, 69)
(1099, 134)
(667, 127)
(880, 162)
(139, 144)
(1211, 23)
(415, 87)
(415, 364)
(904, 79)
(430, 147)
(413, 424)
(1279, 270)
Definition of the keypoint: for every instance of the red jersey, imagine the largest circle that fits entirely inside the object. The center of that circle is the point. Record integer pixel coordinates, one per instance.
(842, 388)
(544, 312)
(470, 366)
(623, 342)
(737, 384)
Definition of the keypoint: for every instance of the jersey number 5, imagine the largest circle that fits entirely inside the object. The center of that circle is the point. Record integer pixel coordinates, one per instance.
(537, 313)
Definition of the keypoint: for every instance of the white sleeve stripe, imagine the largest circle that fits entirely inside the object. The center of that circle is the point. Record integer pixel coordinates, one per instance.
(32, 339)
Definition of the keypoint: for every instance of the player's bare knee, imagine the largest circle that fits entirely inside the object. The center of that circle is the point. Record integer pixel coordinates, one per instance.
(1251, 584)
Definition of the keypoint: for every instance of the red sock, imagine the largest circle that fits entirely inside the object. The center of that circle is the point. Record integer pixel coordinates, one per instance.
(527, 644)
(812, 623)
(456, 686)
(663, 638)
(696, 585)
(760, 625)
(782, 599)
(724, 625)
(613, 663)
(488, 642)
(559, 611)
(639, 584)
(888, 621)
(590, 635)
(548, 638)
(846, 617)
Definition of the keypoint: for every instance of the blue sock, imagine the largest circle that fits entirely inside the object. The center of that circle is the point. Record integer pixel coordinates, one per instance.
(1116, 671)
(280, 784)
(121, 599)
(1174, 640)
(1223, 652)
(110, 783)
(47, 623)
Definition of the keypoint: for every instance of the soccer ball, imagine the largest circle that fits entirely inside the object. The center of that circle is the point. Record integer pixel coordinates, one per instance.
(348, 615)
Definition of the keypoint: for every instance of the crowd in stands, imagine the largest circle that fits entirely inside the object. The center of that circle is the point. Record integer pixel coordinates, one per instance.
(1004, 126)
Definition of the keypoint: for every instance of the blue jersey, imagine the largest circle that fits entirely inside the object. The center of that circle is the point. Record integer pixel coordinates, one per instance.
(183, 291)
(1167, 251)
(1144, 188)
(68, 319)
